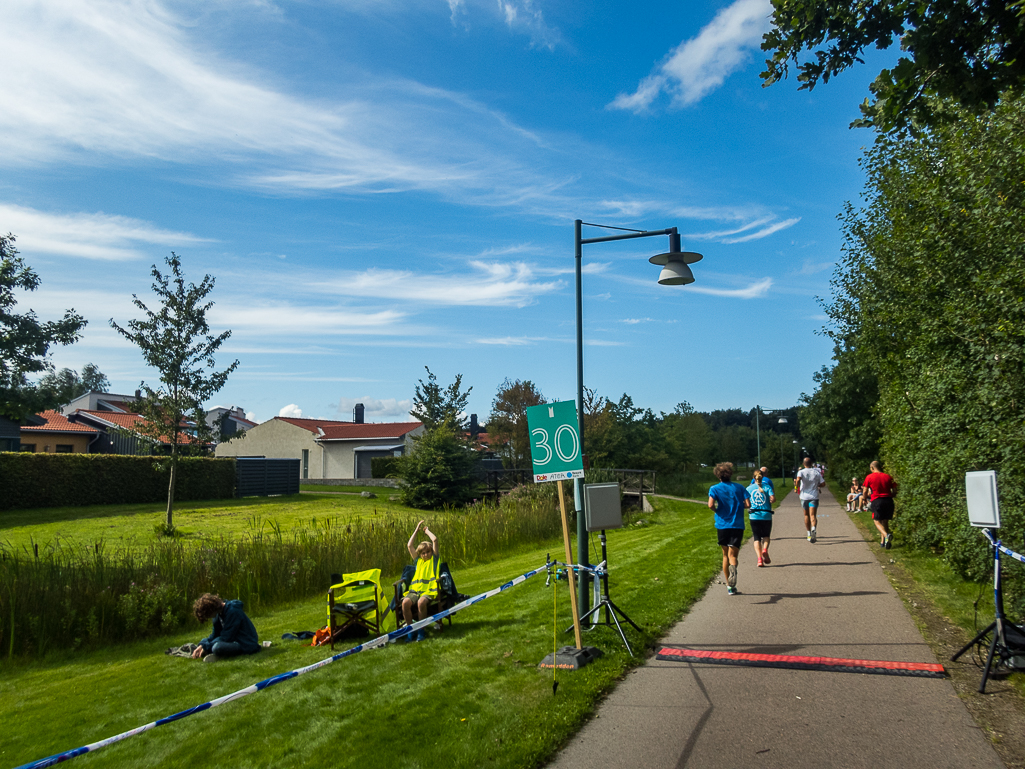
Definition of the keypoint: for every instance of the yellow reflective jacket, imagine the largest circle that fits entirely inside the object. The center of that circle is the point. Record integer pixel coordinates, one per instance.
(425, 580)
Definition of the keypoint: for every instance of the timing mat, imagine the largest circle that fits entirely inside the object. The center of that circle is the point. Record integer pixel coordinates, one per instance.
(794, 662)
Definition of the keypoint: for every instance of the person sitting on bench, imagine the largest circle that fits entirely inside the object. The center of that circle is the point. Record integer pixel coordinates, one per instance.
(233, 632)
(424, 587)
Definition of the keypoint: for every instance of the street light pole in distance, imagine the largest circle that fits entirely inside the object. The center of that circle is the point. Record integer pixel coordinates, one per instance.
(675, 272)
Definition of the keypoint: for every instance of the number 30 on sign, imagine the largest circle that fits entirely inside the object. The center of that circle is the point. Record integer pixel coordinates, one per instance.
(554, 442)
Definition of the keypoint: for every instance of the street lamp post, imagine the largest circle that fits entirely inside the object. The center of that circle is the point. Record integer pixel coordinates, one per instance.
(675, 272)
(758, 430)
(795, 455)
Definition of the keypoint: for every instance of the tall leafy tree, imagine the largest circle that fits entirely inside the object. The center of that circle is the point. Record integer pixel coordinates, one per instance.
(965, 52)
(25, 341)
(175, 340)
(507, 424)
(930, 291)
(67, 384)
(441, 470)
(434, 405)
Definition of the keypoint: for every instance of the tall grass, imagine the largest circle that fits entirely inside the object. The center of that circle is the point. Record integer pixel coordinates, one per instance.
(64, 597)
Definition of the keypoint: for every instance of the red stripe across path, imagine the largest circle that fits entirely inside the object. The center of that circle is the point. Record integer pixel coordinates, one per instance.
(787, 660)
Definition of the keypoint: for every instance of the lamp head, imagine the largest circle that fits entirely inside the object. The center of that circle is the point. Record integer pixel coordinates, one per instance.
(675, 271)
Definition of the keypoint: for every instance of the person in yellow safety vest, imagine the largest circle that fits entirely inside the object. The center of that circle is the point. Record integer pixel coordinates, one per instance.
(424, 587)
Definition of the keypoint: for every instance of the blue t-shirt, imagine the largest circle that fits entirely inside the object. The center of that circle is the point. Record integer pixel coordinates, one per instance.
(729, 511)
(767, 485)
(761, 507)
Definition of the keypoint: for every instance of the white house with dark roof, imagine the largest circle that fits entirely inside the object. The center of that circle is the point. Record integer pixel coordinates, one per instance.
(326, 448)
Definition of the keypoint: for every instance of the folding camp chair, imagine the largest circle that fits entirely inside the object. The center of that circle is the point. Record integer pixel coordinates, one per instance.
(354, 601)
(448, 596)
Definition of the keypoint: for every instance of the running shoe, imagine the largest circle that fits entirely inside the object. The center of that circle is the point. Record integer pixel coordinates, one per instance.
(731, 590)
(760, 562)
(765, 557)
(731, 579)
(889, 540)
(811, 535)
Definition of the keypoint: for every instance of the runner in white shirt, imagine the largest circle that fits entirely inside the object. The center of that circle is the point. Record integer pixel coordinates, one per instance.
(808, 481)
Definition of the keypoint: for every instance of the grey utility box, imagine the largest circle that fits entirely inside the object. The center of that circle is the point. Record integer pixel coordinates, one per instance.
(603, 506)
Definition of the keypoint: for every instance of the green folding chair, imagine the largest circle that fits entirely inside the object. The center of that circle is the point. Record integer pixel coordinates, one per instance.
(354, 601)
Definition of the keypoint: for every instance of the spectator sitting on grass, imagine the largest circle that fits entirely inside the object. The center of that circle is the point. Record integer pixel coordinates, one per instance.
(233, 632)
(424, 586)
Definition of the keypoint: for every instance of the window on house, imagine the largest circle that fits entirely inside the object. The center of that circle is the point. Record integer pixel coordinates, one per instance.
(31, 447)
(306, 463)
(65, 448)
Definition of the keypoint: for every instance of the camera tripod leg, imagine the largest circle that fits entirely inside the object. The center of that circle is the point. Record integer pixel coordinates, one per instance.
(992, 626)
(989, 661)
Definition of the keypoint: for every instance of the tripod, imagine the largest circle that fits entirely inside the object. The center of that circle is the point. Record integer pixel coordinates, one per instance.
(999, 627)
(602, 601)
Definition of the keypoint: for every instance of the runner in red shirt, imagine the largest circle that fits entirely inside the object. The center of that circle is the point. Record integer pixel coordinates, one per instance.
(883, 489)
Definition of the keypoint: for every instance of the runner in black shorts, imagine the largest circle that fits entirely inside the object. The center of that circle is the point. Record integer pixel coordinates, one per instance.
(728, 500)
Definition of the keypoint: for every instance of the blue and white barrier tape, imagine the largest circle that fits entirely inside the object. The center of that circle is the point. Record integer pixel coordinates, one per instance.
(1004, 550)
(373, 644)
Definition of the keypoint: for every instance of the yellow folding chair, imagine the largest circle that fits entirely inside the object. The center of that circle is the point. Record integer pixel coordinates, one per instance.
(355, 601)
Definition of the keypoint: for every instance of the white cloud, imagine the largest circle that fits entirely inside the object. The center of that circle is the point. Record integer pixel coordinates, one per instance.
(811, 268)
(291, 410)
(87, 82)
(764, 232)
(755, 290)
(506, 341)
(388, 409)
(486, 284)
(251, 416)
(700, 65)
(89, 236)
(275, 317)
(635, 321)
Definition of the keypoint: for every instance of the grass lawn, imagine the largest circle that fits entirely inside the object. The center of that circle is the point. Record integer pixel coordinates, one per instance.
(383, 492)
(132, 525)
(954, 597)
(470, 696)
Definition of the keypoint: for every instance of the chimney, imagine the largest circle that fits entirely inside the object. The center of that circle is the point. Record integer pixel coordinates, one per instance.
(474, 427)
(357, 414)
(138, 395)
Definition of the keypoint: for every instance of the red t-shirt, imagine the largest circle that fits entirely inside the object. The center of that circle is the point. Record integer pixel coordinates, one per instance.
(881, 485)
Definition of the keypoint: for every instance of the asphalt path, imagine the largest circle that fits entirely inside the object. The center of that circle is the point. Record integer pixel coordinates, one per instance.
(828, 599)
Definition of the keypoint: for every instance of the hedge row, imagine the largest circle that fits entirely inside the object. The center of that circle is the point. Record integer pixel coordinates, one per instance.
(384, 467)
(64, 480)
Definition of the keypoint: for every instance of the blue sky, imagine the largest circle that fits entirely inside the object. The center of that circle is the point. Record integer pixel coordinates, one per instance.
(380, 185)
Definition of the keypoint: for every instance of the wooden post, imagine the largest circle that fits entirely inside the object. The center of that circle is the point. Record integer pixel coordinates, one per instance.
(569, 560)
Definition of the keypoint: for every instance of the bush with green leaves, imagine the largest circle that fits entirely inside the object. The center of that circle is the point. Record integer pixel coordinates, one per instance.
(442, 470)
(929, 297)
(63, 480)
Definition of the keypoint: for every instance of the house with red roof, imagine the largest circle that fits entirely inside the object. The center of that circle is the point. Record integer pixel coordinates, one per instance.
(53, 433)
(326, 448)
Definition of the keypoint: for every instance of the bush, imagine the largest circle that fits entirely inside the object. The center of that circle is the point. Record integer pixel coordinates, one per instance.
(67, 480)
(384, 467)
(441, 471)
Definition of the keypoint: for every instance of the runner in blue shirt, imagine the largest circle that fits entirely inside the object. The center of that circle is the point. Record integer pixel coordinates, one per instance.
(767, 482)
(760, 515)
(728, 500)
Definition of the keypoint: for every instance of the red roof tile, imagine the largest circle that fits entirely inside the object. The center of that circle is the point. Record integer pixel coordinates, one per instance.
(335, 430)
(350, 432)
(312, 424)
(131, 422)
(58, 423)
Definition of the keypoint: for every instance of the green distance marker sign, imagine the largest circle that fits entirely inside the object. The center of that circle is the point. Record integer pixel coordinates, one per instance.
(554, 442)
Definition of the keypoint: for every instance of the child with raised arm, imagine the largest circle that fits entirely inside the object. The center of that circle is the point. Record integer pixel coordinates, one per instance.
(424, 586)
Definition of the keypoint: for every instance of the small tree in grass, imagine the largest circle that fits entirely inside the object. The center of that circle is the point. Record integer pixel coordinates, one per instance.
(176, 341)
(441, 470)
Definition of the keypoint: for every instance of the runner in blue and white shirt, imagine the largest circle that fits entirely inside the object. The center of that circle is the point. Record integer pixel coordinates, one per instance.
(760, 516)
